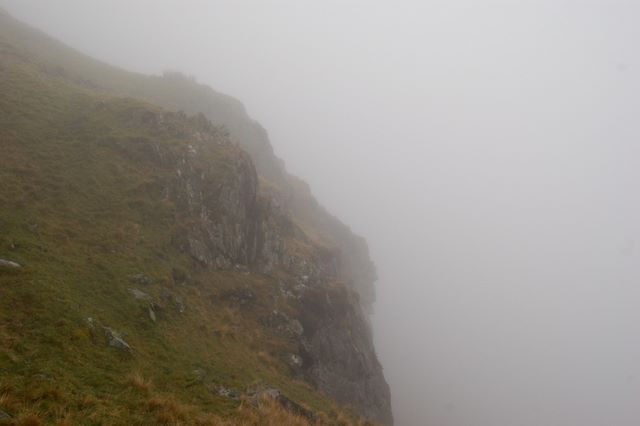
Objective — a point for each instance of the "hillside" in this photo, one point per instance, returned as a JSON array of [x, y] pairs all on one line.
[[158, 264]]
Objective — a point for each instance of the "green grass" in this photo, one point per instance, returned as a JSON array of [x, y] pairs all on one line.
[[82, 209]]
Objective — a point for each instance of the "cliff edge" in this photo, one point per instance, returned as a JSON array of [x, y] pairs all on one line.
[[157, 262]]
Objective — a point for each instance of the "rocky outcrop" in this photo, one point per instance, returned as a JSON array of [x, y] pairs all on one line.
[[237, 208], [225, 220], [338, 353], [235, 227], [177, 92]]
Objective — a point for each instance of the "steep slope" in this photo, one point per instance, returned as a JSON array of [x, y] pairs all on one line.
[[175, 91], [152, 251]]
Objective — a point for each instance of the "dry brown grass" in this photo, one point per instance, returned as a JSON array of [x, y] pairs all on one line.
[[139, 382], [87, 402], [167, 411], [269, 413], [29, 419], [7, 401]]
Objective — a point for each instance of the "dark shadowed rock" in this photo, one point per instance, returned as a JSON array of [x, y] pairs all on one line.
[[338, 353]]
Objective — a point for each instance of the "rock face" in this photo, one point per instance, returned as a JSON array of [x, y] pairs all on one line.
[[338, 349], [237, 227], [229, 222], [236, 208]]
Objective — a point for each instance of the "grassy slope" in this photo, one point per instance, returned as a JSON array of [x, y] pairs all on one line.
[[178, 93], [78, 214]]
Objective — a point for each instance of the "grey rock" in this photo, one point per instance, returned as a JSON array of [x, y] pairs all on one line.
[[44, 376], [233, 224], [180, 306], [262, 392], [295, 361], [115, 340], [90, 323], [139, 295], [339, 355], [224, 392], [272, 393], [152, 314], [9, 263], [281, 322], [199, 375], [255, 392], [167, 297], [295, 327]]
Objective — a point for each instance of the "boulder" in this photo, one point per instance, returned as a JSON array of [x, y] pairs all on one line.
[[9, 263], [139, 295], [152, 314], [295, 361], [115, 340]]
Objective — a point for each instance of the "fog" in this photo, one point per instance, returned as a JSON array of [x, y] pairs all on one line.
[[489, 151]]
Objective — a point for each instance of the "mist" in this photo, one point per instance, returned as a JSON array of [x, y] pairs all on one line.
[[488, 151]]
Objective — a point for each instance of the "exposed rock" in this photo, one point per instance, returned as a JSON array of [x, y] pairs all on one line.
[[236, 228], [152, 314], [9, 263], [140, 279], [179, 304], [281, 322], [139, 295], [175, 300], [44, 376], [338, 353], [224, 392], [90, 323], [199, 375], [4, 415], [265, 392], [295, 327], [295, 361], [226, 219], [230, 224], [115, 340]]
